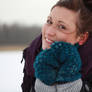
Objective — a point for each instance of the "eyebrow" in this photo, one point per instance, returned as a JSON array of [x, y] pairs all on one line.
[[58, 21], [62, 22]]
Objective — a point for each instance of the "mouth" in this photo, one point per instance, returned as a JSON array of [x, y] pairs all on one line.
[[49, 41]]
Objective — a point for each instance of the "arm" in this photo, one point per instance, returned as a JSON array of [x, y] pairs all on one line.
[[50, 62]]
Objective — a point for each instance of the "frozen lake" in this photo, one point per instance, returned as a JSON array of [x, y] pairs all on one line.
[[11, 71]]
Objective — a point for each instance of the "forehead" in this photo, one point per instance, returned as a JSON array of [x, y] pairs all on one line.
[[69, 17]]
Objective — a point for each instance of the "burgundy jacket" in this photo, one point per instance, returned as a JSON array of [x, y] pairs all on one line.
[[30, 53]]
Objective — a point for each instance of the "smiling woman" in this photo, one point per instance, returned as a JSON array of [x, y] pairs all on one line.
[[53, 62], [60, 27]]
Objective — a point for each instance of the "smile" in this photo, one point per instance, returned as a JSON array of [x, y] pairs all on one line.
[[49, 41]]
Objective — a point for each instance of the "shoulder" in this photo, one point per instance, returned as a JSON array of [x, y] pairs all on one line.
[[86, 56], [30, 53], [35, 45]]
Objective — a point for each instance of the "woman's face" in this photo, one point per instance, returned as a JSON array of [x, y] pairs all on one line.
[[60, 26]]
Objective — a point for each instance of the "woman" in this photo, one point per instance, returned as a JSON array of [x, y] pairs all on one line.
[[28, 69]]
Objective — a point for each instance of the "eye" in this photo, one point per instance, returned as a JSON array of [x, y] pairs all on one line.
[[61, 27], [49, 21]]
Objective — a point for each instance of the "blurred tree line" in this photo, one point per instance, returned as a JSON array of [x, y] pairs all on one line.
[[17, 34]]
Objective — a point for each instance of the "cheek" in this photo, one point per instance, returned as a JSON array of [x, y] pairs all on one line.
[[66, 38], [72, 39], [44, 28], [61, 37], [43, 32]]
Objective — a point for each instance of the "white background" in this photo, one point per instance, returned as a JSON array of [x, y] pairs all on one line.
[[25, 11], [11, 71]]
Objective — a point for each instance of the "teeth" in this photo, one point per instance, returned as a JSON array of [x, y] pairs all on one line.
[[49, 40]]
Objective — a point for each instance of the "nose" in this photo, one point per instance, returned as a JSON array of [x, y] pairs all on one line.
[[50, 31]]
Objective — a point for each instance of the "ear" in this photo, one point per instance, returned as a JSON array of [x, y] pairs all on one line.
[[83, 38]]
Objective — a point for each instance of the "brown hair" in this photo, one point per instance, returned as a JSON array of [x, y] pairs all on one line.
[[88, 4], [84, 23]]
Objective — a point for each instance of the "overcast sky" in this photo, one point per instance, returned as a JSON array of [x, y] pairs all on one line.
[[25, 11]]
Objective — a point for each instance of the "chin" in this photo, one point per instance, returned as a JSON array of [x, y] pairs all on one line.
[[45, 46]]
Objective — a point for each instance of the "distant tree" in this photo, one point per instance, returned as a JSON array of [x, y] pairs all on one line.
[[17, 34]]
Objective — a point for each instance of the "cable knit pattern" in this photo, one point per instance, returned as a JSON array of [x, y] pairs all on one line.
[[60, 63]]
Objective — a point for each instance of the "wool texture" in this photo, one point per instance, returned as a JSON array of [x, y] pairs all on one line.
[[74, 86], [60, 63]]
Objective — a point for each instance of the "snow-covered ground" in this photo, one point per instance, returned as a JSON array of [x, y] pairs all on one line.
[[11, 71]]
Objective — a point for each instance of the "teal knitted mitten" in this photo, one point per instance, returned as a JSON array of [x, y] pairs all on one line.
[[60, 63]]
